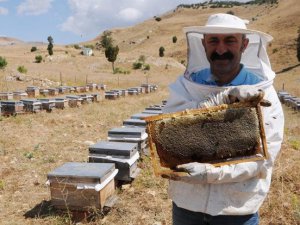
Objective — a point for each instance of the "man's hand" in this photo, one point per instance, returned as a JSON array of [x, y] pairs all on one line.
[[195, 173], [245, 93]]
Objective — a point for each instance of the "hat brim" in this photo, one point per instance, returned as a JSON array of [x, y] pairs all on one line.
[[226, 30]]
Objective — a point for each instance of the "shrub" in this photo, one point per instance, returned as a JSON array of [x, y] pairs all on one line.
[[76, 46], [174, 39], [274, 50], [38, 58], [122, 71], [22, 69], [33, 49], [3, 63], [230, 12], [146, 67], [137, 65], [157, 19], [89, 46], [161, 51]]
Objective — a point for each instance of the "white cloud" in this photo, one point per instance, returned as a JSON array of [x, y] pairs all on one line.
[[90, 17], [130, 14], [34, 7], [3, 11]]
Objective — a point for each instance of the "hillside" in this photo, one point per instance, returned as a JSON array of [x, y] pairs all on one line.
[[31, 145]]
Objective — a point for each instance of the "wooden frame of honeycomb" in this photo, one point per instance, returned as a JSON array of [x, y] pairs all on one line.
[[220, 135]]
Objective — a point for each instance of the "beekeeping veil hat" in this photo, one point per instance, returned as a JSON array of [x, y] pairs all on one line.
[[254, 58]]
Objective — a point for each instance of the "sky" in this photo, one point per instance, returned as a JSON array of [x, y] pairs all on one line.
[[74, 21]]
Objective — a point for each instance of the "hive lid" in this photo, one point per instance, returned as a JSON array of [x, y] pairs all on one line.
[[114, 149], [134, 122], [142, 115], [219, 135], [136, 131], [148, 111], [83, 170]]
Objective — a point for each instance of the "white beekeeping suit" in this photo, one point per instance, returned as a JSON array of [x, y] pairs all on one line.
[[237, 189]]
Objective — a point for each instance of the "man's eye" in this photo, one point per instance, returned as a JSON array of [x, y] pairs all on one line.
[[213, 41]]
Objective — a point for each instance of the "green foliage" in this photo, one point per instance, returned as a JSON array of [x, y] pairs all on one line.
[[50, 45], [275, 50], [174, 39], [38, 58], [33, 49], [122, 71], [22, 69], [76, 46], [106, 40], [2, 185], [161, 51], [295, 144], [3, 63], [91, 46], [298, 45], [111, 54], [28, 155], [137, 65], [157, 18], [146, 67]]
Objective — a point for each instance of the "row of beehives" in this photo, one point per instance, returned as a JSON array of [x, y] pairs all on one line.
[[28, 105], [84, 186], [289, 100], [34, 92]]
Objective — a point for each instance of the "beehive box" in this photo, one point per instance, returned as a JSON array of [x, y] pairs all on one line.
[[74, 100], [6, 96], [96, 97], [53, 91], [111, 95], [124, 155], [32, 91], [32, 105], [47, 104], [82, 186], [10, 107], [61, 103], [131, 135], [18, 95], [218, 135], [44, 92]]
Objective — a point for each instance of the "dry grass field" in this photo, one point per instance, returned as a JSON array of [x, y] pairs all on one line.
[[32, 145]]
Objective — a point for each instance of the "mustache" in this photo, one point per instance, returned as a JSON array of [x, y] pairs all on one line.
[[226, 55]]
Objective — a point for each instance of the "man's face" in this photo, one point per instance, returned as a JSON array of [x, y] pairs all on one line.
[[224, 53]]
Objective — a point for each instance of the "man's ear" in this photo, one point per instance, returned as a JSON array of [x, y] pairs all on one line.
[[203, 43], [245, 43]]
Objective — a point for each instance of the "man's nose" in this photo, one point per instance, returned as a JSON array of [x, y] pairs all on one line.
[[221, 48]]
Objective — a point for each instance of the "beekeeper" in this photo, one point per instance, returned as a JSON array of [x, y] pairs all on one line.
[[225, 59]]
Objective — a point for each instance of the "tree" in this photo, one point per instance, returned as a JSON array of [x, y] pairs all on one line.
[[161, 51], [111, 54], [38, 59], [174, 39], [298, 45], [3, 63], [106, 39], [33, 49], [50, 45]]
